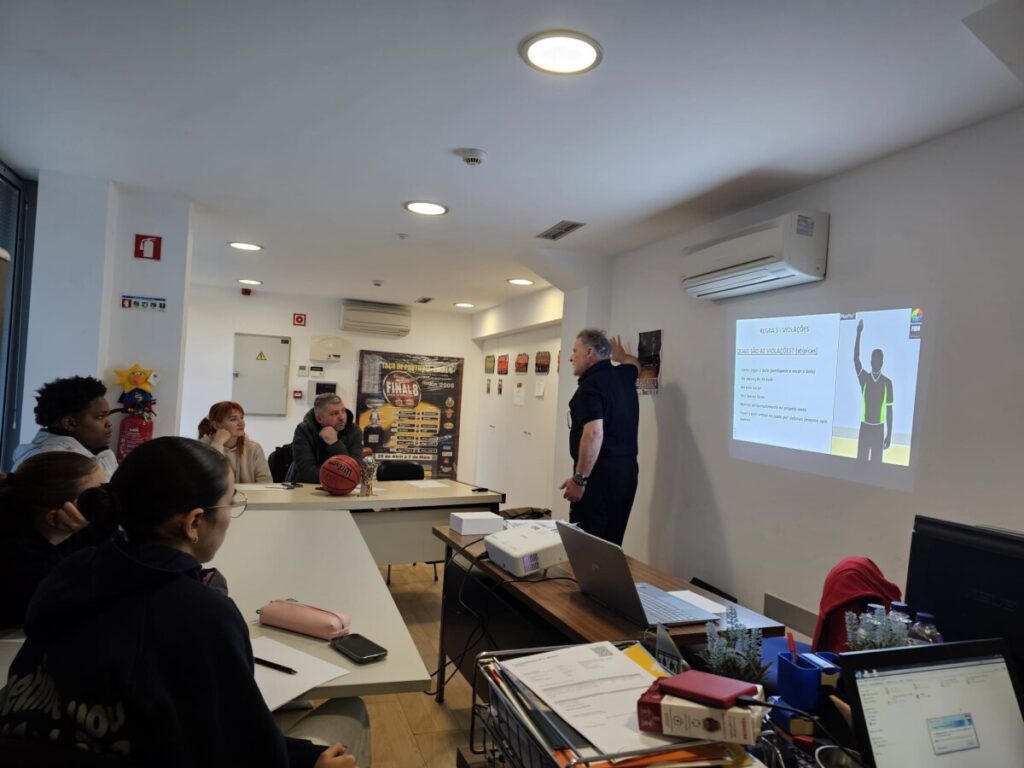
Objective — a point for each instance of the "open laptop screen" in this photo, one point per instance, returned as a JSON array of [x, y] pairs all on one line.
[[956, 708]]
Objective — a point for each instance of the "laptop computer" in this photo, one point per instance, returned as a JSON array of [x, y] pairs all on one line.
[[953, 704], [603, 574]]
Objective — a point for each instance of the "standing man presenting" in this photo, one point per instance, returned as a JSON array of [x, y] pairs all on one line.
[[604, 416], [876, 400], [328, 429]]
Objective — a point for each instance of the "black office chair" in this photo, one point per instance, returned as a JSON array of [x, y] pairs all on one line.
[[399, 470], [279, 460], [391, 469]]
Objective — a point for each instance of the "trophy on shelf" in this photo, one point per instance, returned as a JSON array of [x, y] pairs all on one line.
[[369, 475]]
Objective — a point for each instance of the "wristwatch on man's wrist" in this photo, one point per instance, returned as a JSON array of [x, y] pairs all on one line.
[[580, 480]]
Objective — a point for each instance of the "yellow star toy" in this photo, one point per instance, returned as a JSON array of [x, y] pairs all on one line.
[[134, 378]]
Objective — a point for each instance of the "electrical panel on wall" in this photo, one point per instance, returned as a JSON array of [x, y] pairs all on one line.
[[325, 349], [319, 387]]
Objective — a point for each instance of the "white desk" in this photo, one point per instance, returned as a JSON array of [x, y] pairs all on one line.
[[395, 522], [318, 556]]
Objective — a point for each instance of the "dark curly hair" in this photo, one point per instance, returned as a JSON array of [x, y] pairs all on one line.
[[66, 397]]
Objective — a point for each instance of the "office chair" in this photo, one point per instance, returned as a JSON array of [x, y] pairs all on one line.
[[279, 460], [402, 470]]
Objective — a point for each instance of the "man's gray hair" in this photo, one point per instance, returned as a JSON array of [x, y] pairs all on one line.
[[592, 337], [324, 399]]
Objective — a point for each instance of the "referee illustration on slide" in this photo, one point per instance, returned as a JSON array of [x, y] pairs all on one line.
[[875, 404]]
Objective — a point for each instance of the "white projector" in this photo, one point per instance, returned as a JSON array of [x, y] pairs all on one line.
[[525, 549]]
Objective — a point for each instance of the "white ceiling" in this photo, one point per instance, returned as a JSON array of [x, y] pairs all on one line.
[[305, 125]]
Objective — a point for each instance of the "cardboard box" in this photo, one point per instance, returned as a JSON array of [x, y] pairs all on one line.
[[660, 713], [475, 523]]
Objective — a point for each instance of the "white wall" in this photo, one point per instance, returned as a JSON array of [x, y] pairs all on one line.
[[941, 221], [216, 314], [516, 443], [83, 262]]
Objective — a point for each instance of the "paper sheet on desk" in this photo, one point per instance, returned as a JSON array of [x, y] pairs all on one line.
[[279, 687], [594, 688], [426, 483], [699, 601], [247, 487]]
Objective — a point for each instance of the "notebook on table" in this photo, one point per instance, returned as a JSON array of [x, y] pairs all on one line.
[[953, 704], [603, 575]]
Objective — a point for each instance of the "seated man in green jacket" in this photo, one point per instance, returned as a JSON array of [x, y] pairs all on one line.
[[328, 429]]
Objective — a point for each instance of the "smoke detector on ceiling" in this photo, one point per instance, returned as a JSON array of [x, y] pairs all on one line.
[[471, 157]]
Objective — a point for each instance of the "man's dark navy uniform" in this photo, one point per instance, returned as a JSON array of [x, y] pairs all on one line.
[[604, 414]]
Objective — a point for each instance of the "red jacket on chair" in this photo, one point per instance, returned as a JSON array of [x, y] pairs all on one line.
[[853, 582]]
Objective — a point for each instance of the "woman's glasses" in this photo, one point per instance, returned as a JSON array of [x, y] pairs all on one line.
[[238, 505]]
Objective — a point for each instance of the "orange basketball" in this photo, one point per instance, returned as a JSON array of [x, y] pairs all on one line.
[[340, 474]]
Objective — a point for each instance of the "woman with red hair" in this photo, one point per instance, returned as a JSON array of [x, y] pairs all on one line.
[[224, 430]]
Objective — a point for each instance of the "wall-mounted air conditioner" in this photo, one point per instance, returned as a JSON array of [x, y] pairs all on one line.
[[372, 317], [787, 250]]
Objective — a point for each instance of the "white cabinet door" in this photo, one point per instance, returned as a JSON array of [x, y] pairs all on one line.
[[261, 373]]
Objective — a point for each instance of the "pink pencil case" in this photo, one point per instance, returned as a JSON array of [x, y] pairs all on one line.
[[304, 619]]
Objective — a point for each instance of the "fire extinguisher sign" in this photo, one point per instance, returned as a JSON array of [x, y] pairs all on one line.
[[148, 247]]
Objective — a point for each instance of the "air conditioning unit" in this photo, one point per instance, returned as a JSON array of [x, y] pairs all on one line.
[[788, 250], [372, 317]]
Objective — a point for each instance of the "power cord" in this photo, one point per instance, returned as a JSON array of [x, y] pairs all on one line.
[[751, 701]]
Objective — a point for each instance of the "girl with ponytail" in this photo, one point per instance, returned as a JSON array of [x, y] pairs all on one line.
[[159, 665], [224, 430]]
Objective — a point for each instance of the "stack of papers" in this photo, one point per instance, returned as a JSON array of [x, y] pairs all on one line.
[[582, 700]]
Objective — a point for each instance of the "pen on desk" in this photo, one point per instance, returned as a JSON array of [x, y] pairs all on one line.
[[275, 665], [792, 647]]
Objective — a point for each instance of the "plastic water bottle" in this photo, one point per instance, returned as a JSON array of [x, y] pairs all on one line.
[[901, 611], [923, 631]]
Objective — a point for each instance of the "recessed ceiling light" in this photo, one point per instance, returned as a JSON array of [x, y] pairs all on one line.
[[561, 52], [464, 305], [246, 246], [425, 208], [245, 281], [519, 281]]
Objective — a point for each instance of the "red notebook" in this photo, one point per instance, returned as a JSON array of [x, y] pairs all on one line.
[[705, 688]]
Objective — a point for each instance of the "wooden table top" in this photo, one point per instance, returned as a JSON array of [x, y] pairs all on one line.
[[577, 616]]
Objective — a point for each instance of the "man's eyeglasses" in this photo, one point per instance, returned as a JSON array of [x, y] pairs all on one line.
[[238, 505]]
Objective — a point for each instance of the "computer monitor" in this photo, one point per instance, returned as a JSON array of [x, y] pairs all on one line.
[[970, 577], [953, 705]]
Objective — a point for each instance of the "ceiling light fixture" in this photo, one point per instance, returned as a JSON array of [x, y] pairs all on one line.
[[464, 305], [519, 281], [246, 281], [246, 246], [425, 208], [561, 52]]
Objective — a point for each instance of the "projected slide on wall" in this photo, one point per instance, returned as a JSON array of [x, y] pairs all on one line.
[[842, 384]]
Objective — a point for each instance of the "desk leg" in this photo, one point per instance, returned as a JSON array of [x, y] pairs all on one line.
[[439, 697]]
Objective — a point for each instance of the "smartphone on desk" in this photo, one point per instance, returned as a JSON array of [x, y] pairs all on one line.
[[358, 648]]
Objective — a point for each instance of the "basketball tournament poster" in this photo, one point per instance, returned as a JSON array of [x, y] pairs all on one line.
[[408, 408]]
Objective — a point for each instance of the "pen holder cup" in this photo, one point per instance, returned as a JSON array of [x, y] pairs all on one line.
[[799, 682]]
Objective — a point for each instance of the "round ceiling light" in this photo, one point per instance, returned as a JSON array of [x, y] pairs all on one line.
[[561, 52], [425, 208], [464, 305], [519, 281], [246, 246], [246, 281]]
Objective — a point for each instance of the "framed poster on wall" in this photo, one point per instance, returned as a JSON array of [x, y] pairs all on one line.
[[409, 408]]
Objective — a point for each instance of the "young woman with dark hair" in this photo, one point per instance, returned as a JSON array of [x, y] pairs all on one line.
[[40, 524], [224, 431], [159, 666]]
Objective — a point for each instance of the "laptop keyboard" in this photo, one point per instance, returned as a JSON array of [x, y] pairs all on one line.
[[662, 611]]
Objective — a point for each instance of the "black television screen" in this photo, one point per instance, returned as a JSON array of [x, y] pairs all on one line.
[[971, 578]]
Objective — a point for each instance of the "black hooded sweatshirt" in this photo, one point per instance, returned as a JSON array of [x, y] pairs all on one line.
[[127, 652]]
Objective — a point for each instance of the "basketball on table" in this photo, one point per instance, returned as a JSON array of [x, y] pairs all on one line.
[[339, 475]]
